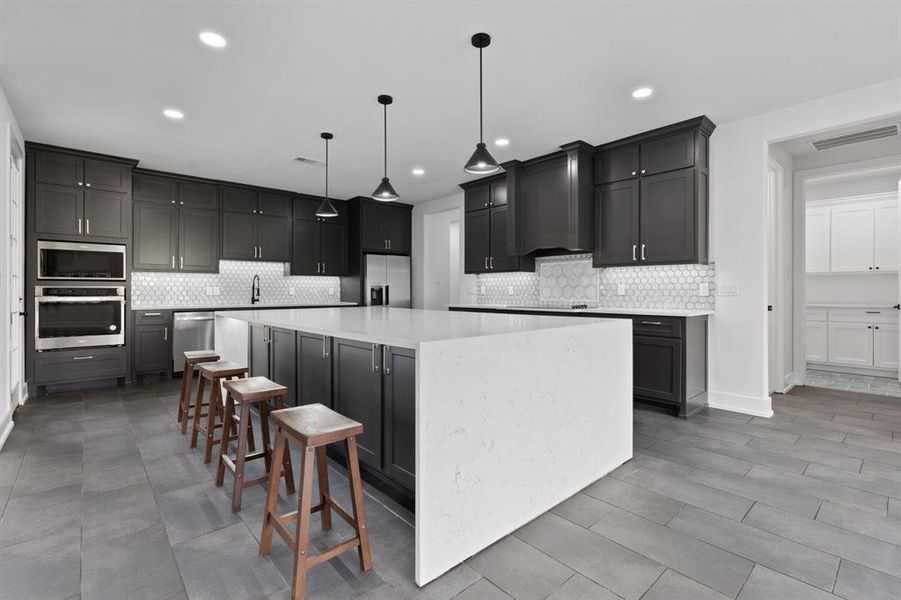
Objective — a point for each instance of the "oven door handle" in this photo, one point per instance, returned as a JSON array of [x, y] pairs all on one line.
[[92, 299]]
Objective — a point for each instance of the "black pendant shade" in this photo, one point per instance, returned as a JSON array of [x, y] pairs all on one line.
[[385, 192], [481, 162], [326, 209]]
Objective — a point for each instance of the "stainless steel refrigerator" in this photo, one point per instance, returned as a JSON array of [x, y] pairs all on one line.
[[386, 280]]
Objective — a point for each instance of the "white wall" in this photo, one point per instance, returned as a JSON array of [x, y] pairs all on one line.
[[738, 228], [9, 135], [465, 284]]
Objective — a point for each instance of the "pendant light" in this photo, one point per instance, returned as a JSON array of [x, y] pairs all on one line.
[[326, 209], [481, 162], [385, 191]]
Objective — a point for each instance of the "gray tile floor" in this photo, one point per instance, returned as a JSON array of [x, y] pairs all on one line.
[[101, 498], [881, 386]]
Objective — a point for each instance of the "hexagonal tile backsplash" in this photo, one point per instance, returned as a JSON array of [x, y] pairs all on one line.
[[571, 279]]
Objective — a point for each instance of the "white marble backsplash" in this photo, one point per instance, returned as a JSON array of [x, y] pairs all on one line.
[[233, 282], [570, 279]]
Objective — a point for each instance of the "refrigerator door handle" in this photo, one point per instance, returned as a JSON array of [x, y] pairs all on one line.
[[387, 300]]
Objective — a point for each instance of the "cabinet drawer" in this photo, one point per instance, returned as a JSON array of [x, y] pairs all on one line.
[[816, 314], [861, 315], [660, 326], [79, 365], [152, 317]]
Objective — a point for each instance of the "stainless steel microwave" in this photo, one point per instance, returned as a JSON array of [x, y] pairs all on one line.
[[76, 260]]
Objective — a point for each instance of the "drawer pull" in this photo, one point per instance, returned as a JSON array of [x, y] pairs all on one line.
[[874, 312], [651, 323], [151, 314], [82, 357]]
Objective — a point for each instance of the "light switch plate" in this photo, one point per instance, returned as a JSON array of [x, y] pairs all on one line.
[[728, 289], [292, 290], [509, 290], [620, 289], [703, 289], [331, 291]]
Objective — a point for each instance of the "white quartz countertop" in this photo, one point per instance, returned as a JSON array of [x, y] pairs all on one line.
[[239, 306], [403, 327], [603, 310]]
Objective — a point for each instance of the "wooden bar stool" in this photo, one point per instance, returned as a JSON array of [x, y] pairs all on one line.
[[192, 359], [244, 393], [217, 373], [313, 427]]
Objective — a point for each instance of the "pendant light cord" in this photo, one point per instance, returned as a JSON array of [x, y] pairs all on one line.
[[481, 120], [326, 169], [386, 139]]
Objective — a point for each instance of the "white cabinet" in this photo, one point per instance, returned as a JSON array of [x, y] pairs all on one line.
[[851, 344], [851, 238], [817, 240], [817, 336], [886, 236], [885, 346]]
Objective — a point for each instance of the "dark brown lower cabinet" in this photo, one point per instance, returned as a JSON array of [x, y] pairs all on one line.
[[151, 342], [657, 368], [358, 393], [83, 364], [283, 361], [314, 369], [400, 415]]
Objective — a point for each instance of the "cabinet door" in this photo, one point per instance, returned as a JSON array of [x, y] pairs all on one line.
[[399, 226], [358, 393], [617, 164], [305, 207], [400, 415], [546, 207], [373, 234], [153, 188], [58, 209], [283, 362], [155, 237], [476, 245], [851, 344], [258, 359], [151, 348], [198, 240], [314, 369], [499, 259], [816, 338], [851, 238], [198, 194], [106, 214], [60, 169], [239, 236], [273, 239], [616, 224], [667, 218], [274, 205], [657, 368], [816, 240], [305, 248], [477, 198], [333, 248], [107, 175], [668, 153], [885, 346], [499, 193], [887, 248], [241, 200]]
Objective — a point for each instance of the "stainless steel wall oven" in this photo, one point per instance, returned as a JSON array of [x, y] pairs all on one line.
[[78, 317]]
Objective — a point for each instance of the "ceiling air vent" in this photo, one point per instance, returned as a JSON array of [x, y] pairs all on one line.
[[855, 136], [309, 161]]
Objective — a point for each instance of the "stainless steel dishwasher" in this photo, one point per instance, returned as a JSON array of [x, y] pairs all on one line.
[[192, 331]]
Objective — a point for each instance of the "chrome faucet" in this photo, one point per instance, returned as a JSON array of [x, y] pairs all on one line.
[[255, 290]]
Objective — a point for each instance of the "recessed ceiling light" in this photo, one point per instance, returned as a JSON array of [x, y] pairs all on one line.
[[213, 39], [642, 92], [501, 142], [418, 171], [174, 114]]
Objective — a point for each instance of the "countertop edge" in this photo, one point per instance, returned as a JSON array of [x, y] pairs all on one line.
[[219, 307], [663, 312]]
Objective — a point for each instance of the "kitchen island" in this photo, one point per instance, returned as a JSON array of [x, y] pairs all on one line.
[[507, 416]]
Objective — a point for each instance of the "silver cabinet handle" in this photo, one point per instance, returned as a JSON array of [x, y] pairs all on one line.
[[323, 267], [82, 357], [389, 244], [87, 225], [375, 349], [80, 183], [181, 262], [173, 262], [634, 173], [387, 369], [182, 203], [651, 323], [643, 171], [87, 185], [328, 346], [173, 201], [486, 263], [151, 314], [260, 249], [642, 251], [165, 334], [323, 346], [491, 262], [79, 226], [634, 246], [319, 267]]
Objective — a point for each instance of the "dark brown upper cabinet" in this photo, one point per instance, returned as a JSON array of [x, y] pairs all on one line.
[[170, 237], [150, 187], [486, 230], [198, 194], [256, 202], [319, 247], [256, 224], [77, 171], [272, 204], [107, 176], [385, 227], [236, 199], [550, 200], [658, 213]]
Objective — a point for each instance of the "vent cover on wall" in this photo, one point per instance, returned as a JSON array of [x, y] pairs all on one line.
[[855, 136], [309, 161]]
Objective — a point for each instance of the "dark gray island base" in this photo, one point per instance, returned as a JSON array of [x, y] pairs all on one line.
[[669, 355]]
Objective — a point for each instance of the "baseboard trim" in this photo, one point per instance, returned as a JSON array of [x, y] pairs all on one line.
[[849, 370], [7, 429], [740, 403]]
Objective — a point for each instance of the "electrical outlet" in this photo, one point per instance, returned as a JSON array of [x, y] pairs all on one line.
[[509, 290], [728, 289], [292, 290], [481, 290], [703, 289], [620, 289], [331, 291]]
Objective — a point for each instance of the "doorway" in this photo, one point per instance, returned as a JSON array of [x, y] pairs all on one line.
[[16, 280], [441, 268]]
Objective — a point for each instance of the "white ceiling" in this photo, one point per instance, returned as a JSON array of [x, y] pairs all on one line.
[[96, 75]]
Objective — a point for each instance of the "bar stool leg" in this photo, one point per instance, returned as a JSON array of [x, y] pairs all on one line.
[[183, 398], [356, 490], [288, 471], [264, 434], [212, 414], [228, 418], [240, 459], [302, 537], [269, 511], [324, 497], [198, 411]]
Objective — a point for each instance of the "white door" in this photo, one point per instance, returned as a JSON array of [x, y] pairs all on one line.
[[885, 346], [851, 238], [816, 253], [817, 341], [851, 344], [886, 232], [16, 282]]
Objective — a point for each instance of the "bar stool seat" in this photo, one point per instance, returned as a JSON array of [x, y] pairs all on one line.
[[216, 373], [243, 393], [192, 359], [313, 427]]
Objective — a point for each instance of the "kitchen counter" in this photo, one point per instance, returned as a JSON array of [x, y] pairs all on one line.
[[600, 311], [215, 307], [489, 401], [863, 306]]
